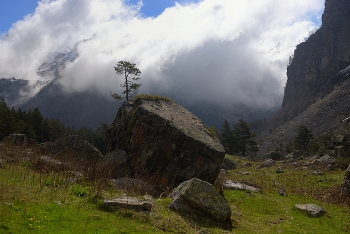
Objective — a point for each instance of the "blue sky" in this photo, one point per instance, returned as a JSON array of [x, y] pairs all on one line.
[[13, 10]]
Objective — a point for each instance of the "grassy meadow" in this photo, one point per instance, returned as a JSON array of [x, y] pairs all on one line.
[[52, 202]]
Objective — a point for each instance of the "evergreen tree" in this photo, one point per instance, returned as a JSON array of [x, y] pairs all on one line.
[[127, 69], [302, 140], [226, 137], [241, 134]]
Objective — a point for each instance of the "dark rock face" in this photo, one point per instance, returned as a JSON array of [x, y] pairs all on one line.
[[323, 60], [166, 144]]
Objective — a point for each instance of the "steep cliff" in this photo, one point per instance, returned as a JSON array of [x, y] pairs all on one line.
[[320, 62], [317, 92]]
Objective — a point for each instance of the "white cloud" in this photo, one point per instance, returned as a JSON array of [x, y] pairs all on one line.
[[224, 52]]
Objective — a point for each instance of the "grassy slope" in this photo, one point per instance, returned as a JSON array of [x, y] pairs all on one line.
[[39, 203]]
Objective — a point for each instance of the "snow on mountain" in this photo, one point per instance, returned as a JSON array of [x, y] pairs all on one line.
[[56, 62]]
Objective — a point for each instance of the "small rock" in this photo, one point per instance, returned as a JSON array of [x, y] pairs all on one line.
[[246, 165], [128, 203], [229, 184], [331, 167], [267, 163], [316, 172], [228, 164], [288, 156], [291, 160], [311, 209], [244, 172], [279, 170], [281, 191]]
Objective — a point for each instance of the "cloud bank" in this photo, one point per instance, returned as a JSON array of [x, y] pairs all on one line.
[[224, 53]]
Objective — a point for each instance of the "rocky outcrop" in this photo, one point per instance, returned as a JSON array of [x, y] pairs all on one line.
[[321, 61], [199, 197], [73, 151], [165, 143]]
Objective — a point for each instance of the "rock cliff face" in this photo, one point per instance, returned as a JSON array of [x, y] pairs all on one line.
[[322, 61], [165, 143]]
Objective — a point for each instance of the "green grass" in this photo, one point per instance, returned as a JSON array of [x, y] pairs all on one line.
[[32, 202], [268, 212], [152, 98]]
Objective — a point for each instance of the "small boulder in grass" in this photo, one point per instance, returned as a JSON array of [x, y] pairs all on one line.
[[128, 203], [311, 209], [200, 197]]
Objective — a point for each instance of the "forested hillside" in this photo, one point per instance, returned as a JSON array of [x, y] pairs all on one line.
[[41, 129]]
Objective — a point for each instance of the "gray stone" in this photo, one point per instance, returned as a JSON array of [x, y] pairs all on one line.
[[267, 163], [46, 163], [229, 184], [114, 165], [16, 140], [166, 144], [279, 170], [199, 197], [281, 191], [128, 203], [316, 172], [288, 156], [291, 160], [325, 160], [244, 172], [311, 209], [229, 164]]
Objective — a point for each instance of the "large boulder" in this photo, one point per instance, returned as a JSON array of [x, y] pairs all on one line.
[[73, 151], [199, 197], [165, 143]]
